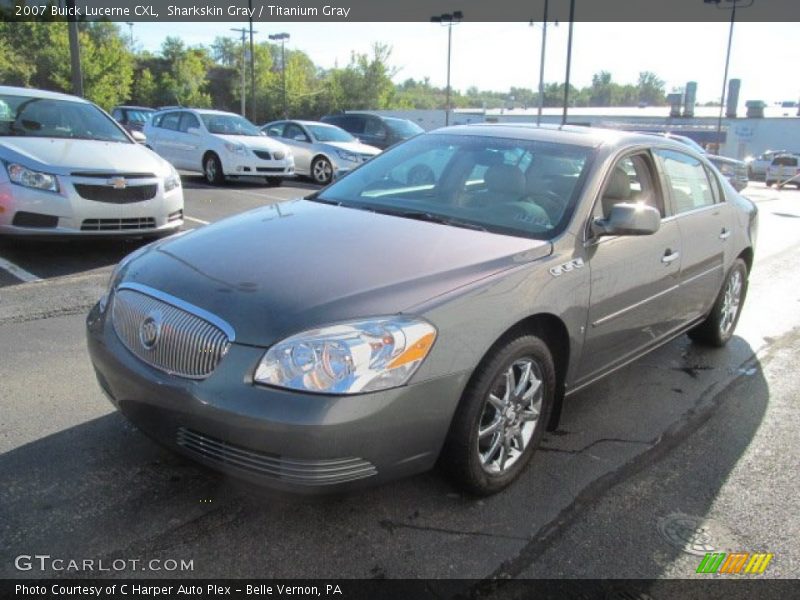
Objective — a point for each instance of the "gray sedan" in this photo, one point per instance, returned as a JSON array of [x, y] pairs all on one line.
[[391, 321], [320, 150]]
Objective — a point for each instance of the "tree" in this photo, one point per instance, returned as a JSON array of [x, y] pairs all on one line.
[[651, 88]]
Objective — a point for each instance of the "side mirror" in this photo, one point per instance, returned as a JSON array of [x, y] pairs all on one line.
[[193, 131], [629, 219], [138, 137]]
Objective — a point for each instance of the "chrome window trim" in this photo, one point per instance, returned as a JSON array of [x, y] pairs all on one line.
[[224, 326]]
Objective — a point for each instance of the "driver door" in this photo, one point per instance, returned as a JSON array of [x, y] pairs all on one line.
[[634, 279]]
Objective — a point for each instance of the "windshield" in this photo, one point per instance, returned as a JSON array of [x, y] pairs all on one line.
[[229, 125], [329, 133], [515, 187], [403, 127], [29, 116]]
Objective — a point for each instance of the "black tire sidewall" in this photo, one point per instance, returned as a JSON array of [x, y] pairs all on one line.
[[462, 442], [220, 176]]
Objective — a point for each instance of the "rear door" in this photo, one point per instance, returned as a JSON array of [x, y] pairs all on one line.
[[704, 220], [634, 279], [164, 141], [188, 146]]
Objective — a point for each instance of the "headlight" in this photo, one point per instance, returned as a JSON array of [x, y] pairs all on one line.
[[349, 358], [235, 148], [32, 179], [172, 181], [345, 155]]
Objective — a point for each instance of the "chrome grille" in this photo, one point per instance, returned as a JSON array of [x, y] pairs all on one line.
[[291, 470], [167, 333]]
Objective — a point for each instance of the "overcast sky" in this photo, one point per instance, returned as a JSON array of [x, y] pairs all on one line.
[[497, 56]]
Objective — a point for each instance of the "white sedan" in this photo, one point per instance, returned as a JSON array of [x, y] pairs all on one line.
[[320, 150], [218, 145], [69, 169]]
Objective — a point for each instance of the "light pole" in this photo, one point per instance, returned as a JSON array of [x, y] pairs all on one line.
[[541, 63], [448, 19], [252, 66], [130, 30], [243, 33], [732, 7], [569, 61], [282, 37], [74, 50]]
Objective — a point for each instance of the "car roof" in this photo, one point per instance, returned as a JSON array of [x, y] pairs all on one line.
[[129, 106], [591, 137], [37, 93]]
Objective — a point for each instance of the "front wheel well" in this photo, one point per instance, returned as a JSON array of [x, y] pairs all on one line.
[[552, 330]]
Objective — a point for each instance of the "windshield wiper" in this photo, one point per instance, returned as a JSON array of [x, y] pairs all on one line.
[[428, 217]]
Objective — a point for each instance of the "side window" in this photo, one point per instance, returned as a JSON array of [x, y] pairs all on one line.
[[188, 120], [171, 120], [157, 120], [117, 114], [716, 186], [687, 179], [276, 129], [354, 125], [631, 181], [293, 131]]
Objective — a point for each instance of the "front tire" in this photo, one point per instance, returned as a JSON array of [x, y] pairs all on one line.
[[502, 416], [212, 169], [321, 170], [720, 323]]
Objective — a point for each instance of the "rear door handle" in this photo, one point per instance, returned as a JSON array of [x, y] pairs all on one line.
[[724, 234], [670, 256]]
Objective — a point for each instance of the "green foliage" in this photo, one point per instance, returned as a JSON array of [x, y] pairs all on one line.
[[36, 54]]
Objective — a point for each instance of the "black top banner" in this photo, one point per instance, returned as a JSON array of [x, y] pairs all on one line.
[[400, 10]]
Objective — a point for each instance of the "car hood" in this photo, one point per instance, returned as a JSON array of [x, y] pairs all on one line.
[[285, 268], [63, 156], [356, 147], [254, 142]]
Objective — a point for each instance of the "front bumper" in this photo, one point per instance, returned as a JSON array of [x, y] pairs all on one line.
[[284, 440], [252, 166], [30, 212]]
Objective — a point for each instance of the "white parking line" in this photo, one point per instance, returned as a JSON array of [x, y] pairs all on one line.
[[18, 271], [193, 220]]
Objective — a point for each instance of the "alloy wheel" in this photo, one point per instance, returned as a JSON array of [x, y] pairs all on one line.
[[731, 301], [510, 415], [323, 171]]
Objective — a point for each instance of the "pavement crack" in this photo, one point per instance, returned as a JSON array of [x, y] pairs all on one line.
[[390, 526], [594, 443]]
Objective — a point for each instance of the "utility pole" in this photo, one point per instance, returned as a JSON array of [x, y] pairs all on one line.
[[130, 30], [569, 61], [243, 32], [74, 50], [252, 67], [541, 64]]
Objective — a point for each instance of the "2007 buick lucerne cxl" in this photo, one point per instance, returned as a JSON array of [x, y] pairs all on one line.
[[436, 304]]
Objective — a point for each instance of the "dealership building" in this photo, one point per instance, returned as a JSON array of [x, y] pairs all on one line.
[[747, 131]]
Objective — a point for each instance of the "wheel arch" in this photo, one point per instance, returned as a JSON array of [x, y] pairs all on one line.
[[553, 331], [747, 256]]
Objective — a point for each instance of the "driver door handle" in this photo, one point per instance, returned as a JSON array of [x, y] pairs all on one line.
[[670, 256], [724, 234]]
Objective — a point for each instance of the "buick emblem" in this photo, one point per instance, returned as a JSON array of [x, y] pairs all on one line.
[[150, 329], [118, 183]]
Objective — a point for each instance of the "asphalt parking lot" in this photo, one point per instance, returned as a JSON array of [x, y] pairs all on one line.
[[706, 436]]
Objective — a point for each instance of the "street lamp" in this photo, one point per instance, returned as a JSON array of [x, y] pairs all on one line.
[[733, 4], [448, 19], [243, 33], [541, 63], [569, 61], [282, 37]]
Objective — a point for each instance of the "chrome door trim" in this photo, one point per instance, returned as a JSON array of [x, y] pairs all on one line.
[[619, 313]]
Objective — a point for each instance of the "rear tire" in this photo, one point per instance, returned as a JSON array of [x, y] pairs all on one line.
[[720, 323], [502, 416], [212, 169]]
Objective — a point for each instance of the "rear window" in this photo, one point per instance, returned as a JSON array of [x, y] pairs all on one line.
[[785, 161]]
